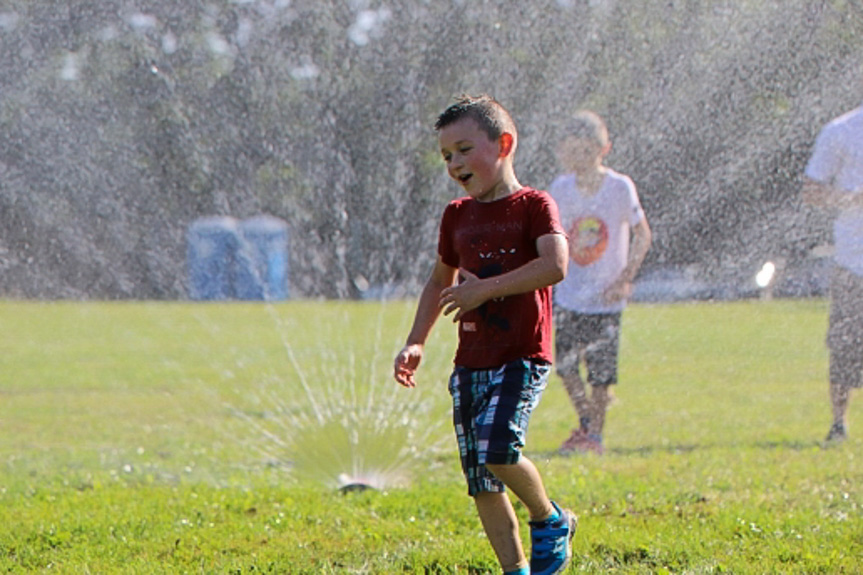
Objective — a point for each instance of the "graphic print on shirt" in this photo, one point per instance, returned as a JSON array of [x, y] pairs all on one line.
[[588, 240], [492, 265]]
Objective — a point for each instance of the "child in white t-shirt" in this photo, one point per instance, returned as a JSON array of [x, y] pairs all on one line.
[[834, 180], [608, 239]]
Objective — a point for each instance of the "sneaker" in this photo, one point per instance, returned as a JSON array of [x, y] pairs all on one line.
[[551, 542], [581, 442], [594, 444], [571, 443], [836, 434]]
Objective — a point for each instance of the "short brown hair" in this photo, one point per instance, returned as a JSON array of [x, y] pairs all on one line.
[[488, 113], [587, 125]]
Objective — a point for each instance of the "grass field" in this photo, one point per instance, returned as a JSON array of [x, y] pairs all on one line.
[[209, 438]]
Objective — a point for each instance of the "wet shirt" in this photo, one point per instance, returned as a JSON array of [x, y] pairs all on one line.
[[489, 239], [598, 226], [838, 160]]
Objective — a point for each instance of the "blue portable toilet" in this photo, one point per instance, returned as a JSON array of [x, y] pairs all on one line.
[[262, 259], [211, 251]]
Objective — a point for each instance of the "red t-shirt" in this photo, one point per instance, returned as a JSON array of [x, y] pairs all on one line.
[[489, 239]]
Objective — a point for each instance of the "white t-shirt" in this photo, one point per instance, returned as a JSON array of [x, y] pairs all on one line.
[[838, 160], [599, 229]]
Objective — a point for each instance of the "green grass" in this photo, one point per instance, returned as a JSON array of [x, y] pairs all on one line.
[[208, 438]]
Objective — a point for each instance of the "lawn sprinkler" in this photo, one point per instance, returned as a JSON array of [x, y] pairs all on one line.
[[348, 484]]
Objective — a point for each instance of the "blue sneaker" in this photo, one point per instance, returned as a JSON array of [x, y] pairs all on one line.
[[551, 542]]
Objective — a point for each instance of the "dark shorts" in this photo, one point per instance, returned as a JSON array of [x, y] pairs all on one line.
[[491, 410], [593, 338], [845, 334]]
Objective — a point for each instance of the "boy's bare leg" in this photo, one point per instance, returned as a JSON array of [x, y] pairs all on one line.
[[524, 480], [600, 398], [840, 366], [839, 400], [501, 527], [577, 392]]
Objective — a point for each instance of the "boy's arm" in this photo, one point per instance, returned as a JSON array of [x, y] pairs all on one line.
[[545, 270], [408, 359], [824, 195], [621, 288]]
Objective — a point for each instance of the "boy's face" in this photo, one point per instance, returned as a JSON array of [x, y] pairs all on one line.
[[473, 159], [581, 154]]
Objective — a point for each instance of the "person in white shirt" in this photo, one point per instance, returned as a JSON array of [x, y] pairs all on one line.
[[608, 239], [834, 181]]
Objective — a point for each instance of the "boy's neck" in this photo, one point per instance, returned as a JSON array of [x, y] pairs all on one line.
[[507, 186], [590, 180]]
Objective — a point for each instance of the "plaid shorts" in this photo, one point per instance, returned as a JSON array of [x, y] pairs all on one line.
[[491, 409]]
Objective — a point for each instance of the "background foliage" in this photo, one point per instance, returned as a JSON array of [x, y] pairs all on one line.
[[121, 123]]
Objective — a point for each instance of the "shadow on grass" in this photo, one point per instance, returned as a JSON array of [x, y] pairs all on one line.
[[789, 444], [676, 449]]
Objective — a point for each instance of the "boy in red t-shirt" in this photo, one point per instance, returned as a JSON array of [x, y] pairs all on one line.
[[505, 244]]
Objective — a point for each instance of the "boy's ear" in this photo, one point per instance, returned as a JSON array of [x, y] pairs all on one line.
[[506, 142]]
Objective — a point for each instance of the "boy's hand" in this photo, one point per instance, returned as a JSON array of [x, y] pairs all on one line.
[[406, 364], [617, 291], [463, 297]]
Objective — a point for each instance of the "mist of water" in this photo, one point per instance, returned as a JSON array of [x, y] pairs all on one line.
[[121, 124], [334, 418]]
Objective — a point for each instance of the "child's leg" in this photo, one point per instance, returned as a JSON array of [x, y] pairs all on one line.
[[569, 352], [501, 527], [491, 410], [600, 398], [577, 392], [524, 480], [518, 388], [845, 342], [601, 359], [469, 389], [551, 527]]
